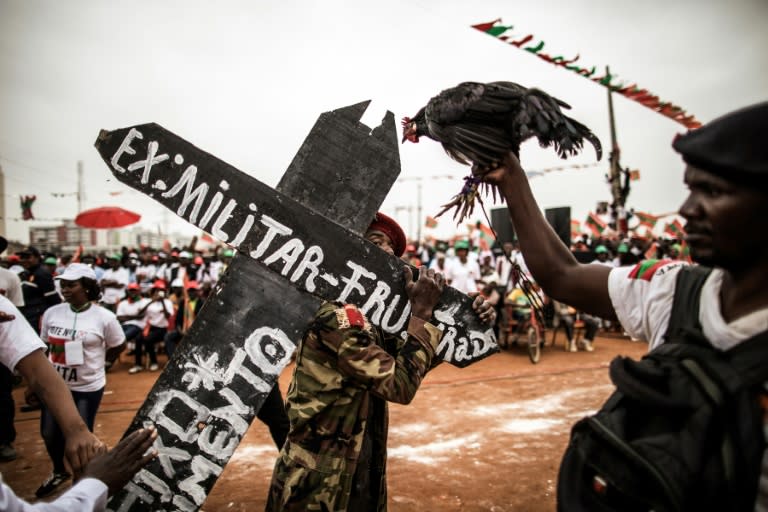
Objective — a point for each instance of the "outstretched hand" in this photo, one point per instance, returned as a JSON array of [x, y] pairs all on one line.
[[117, 466], [424, 292]]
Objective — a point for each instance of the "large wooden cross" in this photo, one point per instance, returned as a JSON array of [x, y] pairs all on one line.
[[291, 257]]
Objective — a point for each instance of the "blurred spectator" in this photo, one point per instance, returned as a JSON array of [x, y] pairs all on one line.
[[462, 273], [157, 312], [186, 312], [37, 287], [130, 314], [113, 282]]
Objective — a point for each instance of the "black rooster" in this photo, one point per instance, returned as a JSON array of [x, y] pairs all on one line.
[[478, 124]]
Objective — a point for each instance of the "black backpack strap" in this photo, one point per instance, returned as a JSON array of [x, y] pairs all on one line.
[[684, 325], [749, 358]]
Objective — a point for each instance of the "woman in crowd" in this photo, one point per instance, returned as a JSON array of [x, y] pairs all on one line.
[[81, 336]]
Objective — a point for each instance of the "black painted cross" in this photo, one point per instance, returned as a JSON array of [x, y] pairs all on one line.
[[291, 258]]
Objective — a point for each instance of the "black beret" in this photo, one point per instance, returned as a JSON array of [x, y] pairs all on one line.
[[734, 146]]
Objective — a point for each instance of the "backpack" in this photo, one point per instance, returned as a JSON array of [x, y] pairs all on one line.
[[682, 431]]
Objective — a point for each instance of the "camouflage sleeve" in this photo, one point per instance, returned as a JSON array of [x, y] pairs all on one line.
[[394, 378]]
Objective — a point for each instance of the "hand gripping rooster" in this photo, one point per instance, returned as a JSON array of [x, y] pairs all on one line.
[[477, 124]]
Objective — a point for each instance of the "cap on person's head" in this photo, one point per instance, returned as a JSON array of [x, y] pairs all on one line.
[[185, 254], [732, 146], [13, 258], [392, 229], [115, 256], [158, 285], [228, 253], [133, 286], [192, 285], [199, 260], [600, 249], [29, 251], [623, 248], [461, 244], [50, 260], [75, 271]]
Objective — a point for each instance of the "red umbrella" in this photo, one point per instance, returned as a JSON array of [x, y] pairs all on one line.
[[106, 217]]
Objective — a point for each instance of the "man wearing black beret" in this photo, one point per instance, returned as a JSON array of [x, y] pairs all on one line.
[[727, 232]]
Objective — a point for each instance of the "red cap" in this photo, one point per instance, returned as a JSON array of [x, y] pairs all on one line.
[[133, 286], [159, 285], [198, 260], [392, 229], [192, 285]]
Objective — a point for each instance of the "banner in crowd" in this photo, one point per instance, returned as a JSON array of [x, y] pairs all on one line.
[[646, 219], [631, 91], [674, 229], [595, 224], [575, 229]]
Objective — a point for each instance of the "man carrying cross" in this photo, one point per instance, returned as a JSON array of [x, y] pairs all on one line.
[[346, 372]]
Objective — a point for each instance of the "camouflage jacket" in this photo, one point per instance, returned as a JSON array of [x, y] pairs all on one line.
[[344, 366]]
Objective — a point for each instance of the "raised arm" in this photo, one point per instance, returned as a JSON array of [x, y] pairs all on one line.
[[551, 263]]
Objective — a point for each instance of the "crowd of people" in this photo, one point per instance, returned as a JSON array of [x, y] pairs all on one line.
[[333, 456]]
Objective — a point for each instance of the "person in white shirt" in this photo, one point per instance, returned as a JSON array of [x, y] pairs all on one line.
[[81, 336], [10, 287], [105, 474], [113, 282], [156, 313], [462, 272], [21, 349], [727, 230]]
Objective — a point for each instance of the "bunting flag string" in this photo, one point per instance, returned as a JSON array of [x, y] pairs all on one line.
[[541, 172], [631, 91]]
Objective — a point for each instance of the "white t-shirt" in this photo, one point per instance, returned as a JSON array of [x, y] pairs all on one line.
[[127, 308], [463, 276], [155, 314], [642, 297], [113, 295], [17, 338], [78, 343], [10, 286], [87, 495]]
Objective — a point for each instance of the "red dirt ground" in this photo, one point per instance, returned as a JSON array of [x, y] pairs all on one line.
[[484, 438]]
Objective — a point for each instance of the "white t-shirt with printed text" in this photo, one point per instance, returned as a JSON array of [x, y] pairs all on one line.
[[643, 304], [17, 338], [89, 334]]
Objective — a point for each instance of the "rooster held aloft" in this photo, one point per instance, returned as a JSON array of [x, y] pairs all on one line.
[[478, 124]]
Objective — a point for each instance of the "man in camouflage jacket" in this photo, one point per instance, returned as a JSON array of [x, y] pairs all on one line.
[[346, 372]]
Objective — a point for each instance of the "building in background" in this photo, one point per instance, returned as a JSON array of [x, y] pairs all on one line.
[[66, 237]]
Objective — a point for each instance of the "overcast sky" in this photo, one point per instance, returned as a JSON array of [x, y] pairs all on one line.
[[246, 81]]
